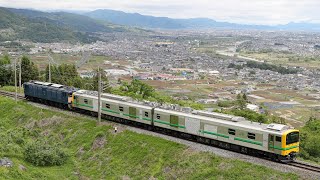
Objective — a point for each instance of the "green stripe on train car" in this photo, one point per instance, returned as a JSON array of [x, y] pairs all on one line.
[[132, 116], [283, 149], [115, 112], [248, 141], [108, 110], [212, 133], [85, 105], [167, 123], [147, 119]]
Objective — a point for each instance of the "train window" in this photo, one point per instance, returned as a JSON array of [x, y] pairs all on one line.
[[232, 131], [121, 108], [271, 138], [86, 101], [292, 137], [251, 136], [146, 114], [158, 116], [278, 138], [108, 106]]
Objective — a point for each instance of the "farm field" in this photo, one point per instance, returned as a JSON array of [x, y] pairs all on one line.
[[294, 106], [283, 59]]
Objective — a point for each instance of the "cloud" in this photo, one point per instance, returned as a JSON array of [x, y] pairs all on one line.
[[239, 11]]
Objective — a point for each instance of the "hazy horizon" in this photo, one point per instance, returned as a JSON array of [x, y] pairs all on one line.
[[262, 12]]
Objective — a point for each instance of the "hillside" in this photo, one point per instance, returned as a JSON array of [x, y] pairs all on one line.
[[73, 21], [135, 19], [95, 152], [144, 21], [40, 26]]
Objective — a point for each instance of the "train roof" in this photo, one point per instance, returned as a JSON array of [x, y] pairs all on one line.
[[111, 98], [52, 85]]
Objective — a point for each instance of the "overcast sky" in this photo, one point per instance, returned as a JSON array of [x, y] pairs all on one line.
[[239, 11]]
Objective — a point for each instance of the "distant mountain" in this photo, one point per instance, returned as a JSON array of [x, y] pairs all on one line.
[[40, 26], [73, 21], [299, 26], [135, 19], [138, 20]]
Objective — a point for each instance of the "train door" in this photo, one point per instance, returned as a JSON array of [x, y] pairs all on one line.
[[174, 121], [271, 142], [132, 112]]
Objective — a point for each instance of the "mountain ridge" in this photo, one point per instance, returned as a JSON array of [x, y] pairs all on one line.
[[39, 26], [146, 21]]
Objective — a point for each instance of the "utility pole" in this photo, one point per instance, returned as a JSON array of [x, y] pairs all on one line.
[[20, 76], [49, 72], [15, 78], [99, 96]]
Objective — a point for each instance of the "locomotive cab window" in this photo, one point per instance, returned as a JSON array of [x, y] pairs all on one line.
[[251, 136], [232, 131], [146, 114], [158, 116], [292, 137], [86, 101], [108, 106], [121, 108], [278, 138]]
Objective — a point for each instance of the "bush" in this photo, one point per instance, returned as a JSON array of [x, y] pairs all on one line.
[[226, 103], [310, 141], [40, 153]]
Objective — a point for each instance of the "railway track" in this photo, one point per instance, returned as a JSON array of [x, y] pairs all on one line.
[[9, 94], [305, 166], [297, 164]]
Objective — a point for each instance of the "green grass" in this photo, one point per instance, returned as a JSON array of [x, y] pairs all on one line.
[[11, 89], [125, 154]]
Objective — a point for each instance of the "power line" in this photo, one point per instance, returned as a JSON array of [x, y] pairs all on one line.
[[85, 58]]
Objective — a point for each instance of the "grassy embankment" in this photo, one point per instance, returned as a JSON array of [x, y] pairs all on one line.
[[11, 89], [96, 153]]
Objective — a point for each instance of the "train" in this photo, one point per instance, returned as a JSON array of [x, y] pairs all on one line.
[[277, 142]]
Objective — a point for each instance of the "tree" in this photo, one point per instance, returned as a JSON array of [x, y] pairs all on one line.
[[28, 70], [6, 71], [104, 80], [241, 102], [5, 60], [138, 89], [65, 74], [244, 96]]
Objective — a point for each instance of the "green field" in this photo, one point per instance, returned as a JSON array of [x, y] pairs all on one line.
[[284, 58], [95, 152]]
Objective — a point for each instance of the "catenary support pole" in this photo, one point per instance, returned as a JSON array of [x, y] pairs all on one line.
[[20, 71], [15, 78], [49, 72], [99, 95]]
